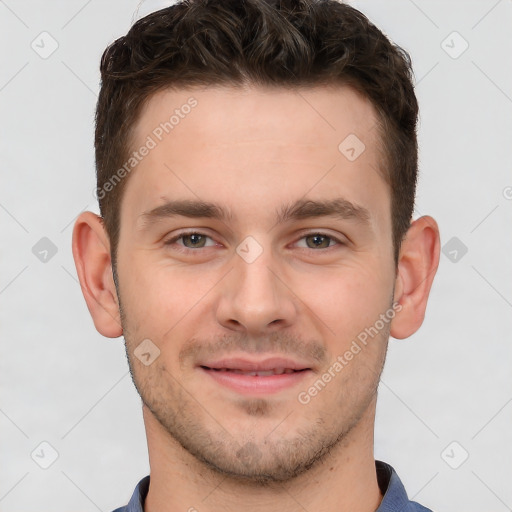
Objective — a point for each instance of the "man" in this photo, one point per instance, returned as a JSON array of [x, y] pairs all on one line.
[[256, 165]]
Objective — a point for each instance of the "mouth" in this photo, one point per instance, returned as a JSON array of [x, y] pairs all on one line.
[[262, 373], [256, 378]]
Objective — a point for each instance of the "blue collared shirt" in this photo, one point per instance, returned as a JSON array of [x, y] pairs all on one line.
[[395, 498]]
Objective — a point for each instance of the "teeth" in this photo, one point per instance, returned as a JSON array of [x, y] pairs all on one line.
[[263, 373]]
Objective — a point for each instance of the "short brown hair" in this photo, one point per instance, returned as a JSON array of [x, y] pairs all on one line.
[[283, 43]]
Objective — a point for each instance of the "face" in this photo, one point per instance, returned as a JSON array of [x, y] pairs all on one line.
[[288, 254]]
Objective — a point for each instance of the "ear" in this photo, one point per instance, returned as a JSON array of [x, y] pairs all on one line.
[[91, 252], [417, 265]]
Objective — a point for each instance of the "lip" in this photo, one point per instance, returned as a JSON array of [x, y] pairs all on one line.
[[251, 365], [256, 385], [252, 384]]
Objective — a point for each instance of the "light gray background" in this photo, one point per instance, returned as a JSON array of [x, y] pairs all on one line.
[[63, 383]]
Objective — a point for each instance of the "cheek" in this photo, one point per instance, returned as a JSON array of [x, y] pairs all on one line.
[[349, 299], [162, 299], [339, 300]]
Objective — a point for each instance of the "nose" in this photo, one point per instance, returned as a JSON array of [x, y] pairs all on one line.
[[255, 297]]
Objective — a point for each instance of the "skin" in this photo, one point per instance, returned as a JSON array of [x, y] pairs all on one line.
[[252, 151]]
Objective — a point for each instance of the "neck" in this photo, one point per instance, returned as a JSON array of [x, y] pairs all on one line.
[[345, 480]]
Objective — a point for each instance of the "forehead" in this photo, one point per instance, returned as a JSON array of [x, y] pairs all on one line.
[[250, 146], [324, 113]]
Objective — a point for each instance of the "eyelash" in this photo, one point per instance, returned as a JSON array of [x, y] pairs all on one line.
[[188, 250]]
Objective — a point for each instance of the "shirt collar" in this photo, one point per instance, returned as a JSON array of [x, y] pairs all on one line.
[[395, 497]]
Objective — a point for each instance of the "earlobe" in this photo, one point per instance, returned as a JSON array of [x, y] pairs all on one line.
[[417, 265], [91, 252]]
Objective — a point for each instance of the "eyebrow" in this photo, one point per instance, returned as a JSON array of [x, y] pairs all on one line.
[[339, 208]]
